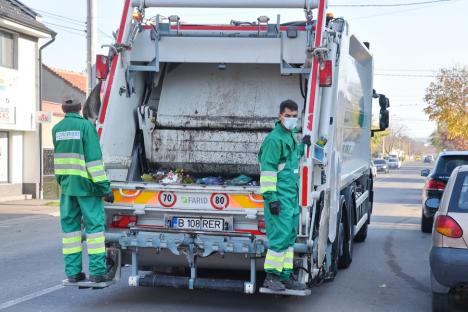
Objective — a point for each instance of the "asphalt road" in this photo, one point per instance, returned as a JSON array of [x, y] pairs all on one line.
[[390, 271]]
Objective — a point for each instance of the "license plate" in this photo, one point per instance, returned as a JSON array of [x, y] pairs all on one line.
[[203, 224]]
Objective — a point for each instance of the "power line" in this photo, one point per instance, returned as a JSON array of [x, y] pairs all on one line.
[[58, 15], [386, 5], [66, 27]]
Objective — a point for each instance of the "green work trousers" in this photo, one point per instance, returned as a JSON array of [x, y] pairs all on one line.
[[281, 232], [90, 209]]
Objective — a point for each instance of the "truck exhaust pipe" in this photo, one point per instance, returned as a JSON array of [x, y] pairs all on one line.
[[268, 4]]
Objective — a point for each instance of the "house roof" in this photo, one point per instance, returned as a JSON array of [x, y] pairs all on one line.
[[19, 13], [77, 80]]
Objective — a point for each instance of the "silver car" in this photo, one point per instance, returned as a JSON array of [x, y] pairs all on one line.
[[449, 253]]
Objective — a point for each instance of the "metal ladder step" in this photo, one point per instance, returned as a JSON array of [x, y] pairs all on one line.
[[287, 292], [88, 284]]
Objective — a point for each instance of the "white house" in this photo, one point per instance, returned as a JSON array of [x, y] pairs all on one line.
[[20, 156]]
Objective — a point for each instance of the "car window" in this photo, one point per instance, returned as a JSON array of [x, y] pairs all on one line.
[[446, 164], [459, 200], [379, 162]]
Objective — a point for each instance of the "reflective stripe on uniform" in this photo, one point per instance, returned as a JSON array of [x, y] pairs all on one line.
[[268, 181], [96, 243], [71, 243], [70, 164], [289, 259], [274, 260], [96, 171]]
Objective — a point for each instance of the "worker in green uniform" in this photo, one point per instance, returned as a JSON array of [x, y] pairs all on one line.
[[279, 177], [79, 170]]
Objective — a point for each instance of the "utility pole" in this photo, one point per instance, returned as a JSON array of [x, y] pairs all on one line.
[[91, 36]]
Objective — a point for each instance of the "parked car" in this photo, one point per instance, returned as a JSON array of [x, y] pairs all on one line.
[[449, 253], [428, 159], [436, 181], [393, 163], [381, 165], [373, 169]]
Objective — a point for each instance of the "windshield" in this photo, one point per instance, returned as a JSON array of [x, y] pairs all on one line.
[[379, 162], [392, 160], [459, 200], [446, 164]]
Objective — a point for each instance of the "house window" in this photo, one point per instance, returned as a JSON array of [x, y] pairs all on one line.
[[7, 49]]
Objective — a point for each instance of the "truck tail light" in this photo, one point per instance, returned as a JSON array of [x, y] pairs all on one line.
[[123, 221], [102, 66], [261, 225], [435, 185], [326, 73], [446, 226]]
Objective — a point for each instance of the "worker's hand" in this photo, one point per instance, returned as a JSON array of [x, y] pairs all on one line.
[[275, 208], [109, 198], [306, 140]]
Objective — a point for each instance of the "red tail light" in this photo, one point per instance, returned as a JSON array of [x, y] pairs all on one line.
[[123, 222], [435, 185], [326, 71], [446, 226], [261, 225], [102, 66]]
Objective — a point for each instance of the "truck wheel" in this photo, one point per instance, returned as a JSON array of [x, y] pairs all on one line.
[[440, 302], [337, 245], [362, 234], [346, 254], [426, 223]]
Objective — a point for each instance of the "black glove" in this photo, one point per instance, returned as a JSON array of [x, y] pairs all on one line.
[[275, 208], [109, 198], [306, 140]]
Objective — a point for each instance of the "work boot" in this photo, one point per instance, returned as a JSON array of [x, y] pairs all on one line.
[[100, 278], [273, 283], [292, 284], [77, 278]]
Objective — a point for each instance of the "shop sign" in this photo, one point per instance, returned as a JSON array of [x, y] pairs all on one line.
[[43, 117]]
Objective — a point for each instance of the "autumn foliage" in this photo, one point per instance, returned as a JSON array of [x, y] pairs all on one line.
[[447, 99]]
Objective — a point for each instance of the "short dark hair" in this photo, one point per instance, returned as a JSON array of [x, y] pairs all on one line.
[[290, 104]]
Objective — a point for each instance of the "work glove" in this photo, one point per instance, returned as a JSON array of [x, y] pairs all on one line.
[[109, 198], [306, 140], [275, 208]]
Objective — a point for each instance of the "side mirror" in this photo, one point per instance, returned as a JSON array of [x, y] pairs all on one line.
[[433, 203], [102, 66], [425, 172], [384, 119]]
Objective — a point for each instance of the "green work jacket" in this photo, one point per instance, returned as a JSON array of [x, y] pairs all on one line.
[[78, 165], [279, 164]]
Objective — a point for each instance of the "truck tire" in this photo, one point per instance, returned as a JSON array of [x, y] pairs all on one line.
[[346, 254], [426, 223], [362, 234], [440, 302], [337, 245]]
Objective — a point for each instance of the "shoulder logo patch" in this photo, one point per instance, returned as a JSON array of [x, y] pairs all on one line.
[[68, 135]]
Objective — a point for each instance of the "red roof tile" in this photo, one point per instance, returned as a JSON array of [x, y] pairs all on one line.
[[78, 80]]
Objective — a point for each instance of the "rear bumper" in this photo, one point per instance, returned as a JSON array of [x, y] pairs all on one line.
[[449, 266]]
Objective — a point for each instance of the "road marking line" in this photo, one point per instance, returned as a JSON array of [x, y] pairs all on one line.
[[34, 295]]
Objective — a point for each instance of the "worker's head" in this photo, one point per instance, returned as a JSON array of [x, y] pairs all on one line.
[[288, 114], [71, 105]]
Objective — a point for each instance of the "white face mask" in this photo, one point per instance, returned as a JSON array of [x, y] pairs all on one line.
[[290, 122]]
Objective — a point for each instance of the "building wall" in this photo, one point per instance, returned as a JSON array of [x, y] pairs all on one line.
[[19, 93]]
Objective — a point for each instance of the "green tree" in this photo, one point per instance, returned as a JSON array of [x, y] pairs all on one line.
[[447, 104]]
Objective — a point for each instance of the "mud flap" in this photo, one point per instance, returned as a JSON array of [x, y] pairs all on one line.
[[287, 292], [114, 261]]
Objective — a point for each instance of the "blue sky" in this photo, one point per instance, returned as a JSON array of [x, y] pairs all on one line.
[[409, 43]]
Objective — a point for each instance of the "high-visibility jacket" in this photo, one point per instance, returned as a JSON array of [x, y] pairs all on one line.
[[78, 164], [279, 164]]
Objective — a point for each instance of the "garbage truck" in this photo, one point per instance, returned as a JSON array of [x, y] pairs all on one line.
[[190, 102]]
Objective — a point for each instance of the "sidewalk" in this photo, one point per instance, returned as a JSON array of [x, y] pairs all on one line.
[[30, 206]]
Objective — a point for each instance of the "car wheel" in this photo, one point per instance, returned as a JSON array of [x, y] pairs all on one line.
[[426, 223], [440, 302]]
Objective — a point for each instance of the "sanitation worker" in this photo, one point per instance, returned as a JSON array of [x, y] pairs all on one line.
[[279, 177], [79, 170]]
